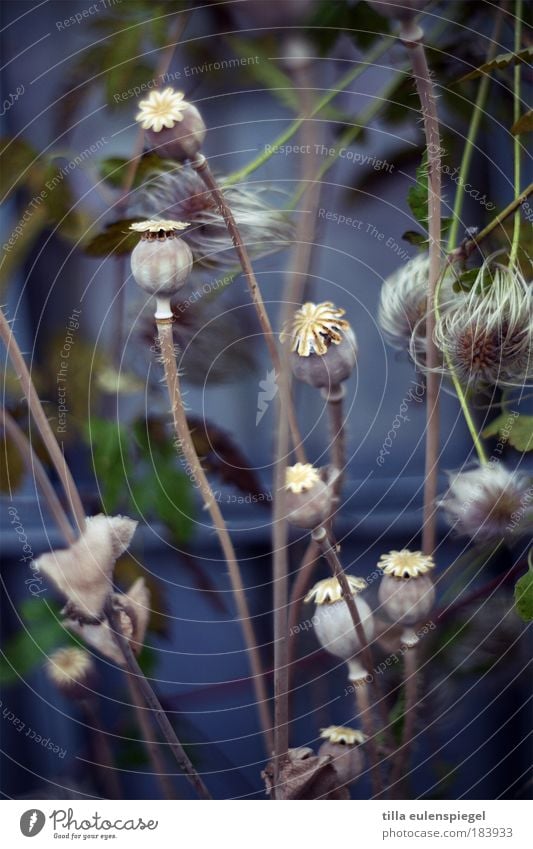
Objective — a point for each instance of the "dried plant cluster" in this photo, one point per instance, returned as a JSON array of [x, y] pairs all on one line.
[[467, 325]]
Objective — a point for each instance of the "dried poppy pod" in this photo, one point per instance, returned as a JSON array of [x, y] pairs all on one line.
[[333, 623], [323, 345], [308, 498], [173, 127], [343, 746], [161, 262], [406, 590], [72, 671]]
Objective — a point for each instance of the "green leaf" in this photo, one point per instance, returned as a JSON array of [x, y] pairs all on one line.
[[360, 22], [503, 60], [110, 447], [524, 124], [114, 169], [115, 239], [11, 465], [518, 432], [29, 647], [521, 436], [397, 717], [19, 166], [415, 238], [523, 596]]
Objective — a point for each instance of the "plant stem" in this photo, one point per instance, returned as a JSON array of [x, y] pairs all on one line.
[[468, 151], [149, 740], [431, 128], [280, 539], [362, 704], [454, 229], [370, 59], [35, 467], [351, 133], [298, 592], [410, 660], [335, 407], [482, 592], [153, 702], [102, 752], [42, 423], [201, 166], [469, 246], [164, 328], [292, 295], [320, 536], [460, 392], [176, 31], [517, 143]]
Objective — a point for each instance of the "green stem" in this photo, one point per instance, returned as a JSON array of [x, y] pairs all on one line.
[[350, 134], [461, 395], [470, 144], [370, 59], [452, 239], [517, 143]]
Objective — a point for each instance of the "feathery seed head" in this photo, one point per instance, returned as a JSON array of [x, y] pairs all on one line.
[[488, 332], [489, 502]]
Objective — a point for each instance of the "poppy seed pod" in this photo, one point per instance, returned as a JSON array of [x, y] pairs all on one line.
[[308, 498], [173, 127], [343, 747], [332, 621], [406, 590], [161, 262], [323, 345]]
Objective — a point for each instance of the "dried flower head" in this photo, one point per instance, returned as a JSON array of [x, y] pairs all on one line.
[[403, 306], [83, 572], [134, 608], [406, 564], [487, 333], [181, 194], [489, 502], [314, 327], [158, 227], [340, 734], [67, 668], [329, 590], [161, 109], [301, 477]]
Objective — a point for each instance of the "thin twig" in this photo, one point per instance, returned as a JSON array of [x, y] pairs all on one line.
[[431, 127], [292, 295], [102, 751], [362, 704], [153, 702], [35, 467], [410, 667], [299, 590], [201, 166], [36, 411], [149, 740], [320, 536], [186, 445], [335, 407], [470, 246]]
